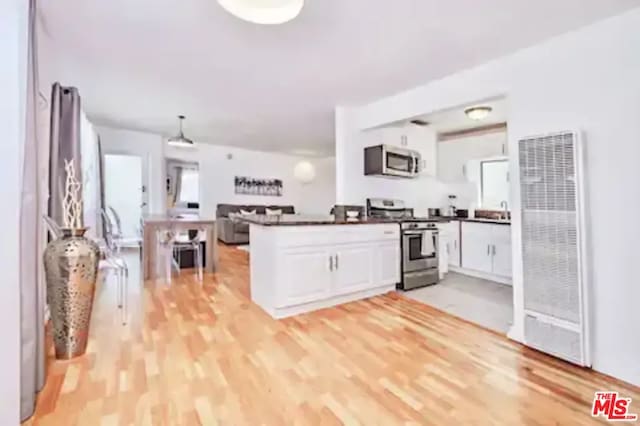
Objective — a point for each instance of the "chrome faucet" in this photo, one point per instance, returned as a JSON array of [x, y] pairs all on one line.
[[505, 207]]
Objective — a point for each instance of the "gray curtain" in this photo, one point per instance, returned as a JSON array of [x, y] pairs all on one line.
[[64, 144], [32, 296], [100, 228]]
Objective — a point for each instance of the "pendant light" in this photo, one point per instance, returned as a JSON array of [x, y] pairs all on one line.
[[180, 140], [268, 12]]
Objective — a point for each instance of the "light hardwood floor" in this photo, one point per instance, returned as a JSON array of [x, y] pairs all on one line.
[[195, 354]]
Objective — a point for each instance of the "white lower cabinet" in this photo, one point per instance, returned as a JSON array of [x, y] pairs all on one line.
[[502, 250], [309, 266], [486, 248], [387, 262], [301, 269], [353, 268]]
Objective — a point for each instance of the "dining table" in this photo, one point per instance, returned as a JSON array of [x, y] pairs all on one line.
[[154, 223]]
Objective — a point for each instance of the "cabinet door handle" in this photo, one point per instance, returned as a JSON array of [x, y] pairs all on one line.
[[455, 244], [331, 263], [488, 249], [494, 249], [337, 266]]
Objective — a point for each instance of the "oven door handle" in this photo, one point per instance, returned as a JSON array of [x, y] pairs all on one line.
[[434, 233]]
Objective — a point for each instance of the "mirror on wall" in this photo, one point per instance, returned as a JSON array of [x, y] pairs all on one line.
[[182, 187]]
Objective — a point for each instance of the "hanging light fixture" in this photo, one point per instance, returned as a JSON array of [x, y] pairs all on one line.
[[268, 12], [478, 113], [180, 140]]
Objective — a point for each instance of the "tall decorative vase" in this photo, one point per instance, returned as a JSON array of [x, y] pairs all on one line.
[[71, 267]]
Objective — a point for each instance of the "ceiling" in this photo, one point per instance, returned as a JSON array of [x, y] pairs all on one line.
[[140, 63], [455, 119]]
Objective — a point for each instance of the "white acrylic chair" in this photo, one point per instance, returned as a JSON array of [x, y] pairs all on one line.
[[114, 261]]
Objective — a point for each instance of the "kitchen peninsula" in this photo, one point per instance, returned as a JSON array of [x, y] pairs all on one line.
[[301, 263]]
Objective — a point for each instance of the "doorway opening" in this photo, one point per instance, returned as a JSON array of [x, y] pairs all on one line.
[[124, 193]]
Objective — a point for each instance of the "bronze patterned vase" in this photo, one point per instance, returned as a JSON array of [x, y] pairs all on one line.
[[71, 268]]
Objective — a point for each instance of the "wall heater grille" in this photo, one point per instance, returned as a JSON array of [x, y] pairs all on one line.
[[552, 239]]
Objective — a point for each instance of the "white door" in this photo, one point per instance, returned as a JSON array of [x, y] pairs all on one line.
[[307, 276], [387, 262], [501, 250], [353, 268], [476, 247], [123, 190]]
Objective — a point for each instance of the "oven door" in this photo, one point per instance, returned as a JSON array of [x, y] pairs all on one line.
[[400, 162], [414, 258]]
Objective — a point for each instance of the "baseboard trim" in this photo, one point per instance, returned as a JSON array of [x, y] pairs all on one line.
[[288, 311], [477, 274]]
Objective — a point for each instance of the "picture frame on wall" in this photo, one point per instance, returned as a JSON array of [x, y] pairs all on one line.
[[253, 186]]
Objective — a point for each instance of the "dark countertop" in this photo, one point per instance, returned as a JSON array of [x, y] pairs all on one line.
[[481, 220], [305, 220]]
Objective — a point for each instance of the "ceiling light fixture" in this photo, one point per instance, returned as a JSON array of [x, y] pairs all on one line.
[[267, 12], [180, 140], [478, 113]]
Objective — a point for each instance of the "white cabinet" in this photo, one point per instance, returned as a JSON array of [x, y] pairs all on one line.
[[454, 154], [353, 268], [502, 250], [476, 247], [421, 139], [297, 269], [307, 265], [486, 248], [387, 262], [452, 230]]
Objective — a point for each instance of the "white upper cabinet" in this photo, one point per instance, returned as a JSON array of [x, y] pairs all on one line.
[[419, 138], [454, 154]]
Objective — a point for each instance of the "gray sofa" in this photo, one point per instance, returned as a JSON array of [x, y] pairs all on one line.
[[234, 232]]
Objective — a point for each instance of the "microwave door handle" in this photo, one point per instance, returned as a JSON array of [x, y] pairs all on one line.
[[415, 163]]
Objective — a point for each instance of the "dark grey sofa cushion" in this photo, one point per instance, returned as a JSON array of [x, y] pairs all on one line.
[[223, 210]]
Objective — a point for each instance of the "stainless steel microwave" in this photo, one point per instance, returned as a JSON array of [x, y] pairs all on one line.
[[388, 160]]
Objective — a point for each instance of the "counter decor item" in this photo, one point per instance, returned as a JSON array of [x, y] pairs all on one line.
[[71, 269]]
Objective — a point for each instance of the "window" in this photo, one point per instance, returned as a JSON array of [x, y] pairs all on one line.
[[189, 186], [494, 184]]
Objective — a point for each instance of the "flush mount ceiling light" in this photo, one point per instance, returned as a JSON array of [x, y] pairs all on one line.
[[268, 12], [180, 140], [478, 113]]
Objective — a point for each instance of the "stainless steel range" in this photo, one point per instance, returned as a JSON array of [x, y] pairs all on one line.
[[418, 242]]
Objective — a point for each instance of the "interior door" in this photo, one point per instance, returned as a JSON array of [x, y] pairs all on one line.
[[476, 247], [353, 268], [308, 276]]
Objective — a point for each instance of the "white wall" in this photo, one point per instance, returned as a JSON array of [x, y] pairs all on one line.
[[217, 172], [13, 45], [586, 80]]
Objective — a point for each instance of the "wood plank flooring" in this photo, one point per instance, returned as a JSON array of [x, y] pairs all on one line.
[[203, 354]]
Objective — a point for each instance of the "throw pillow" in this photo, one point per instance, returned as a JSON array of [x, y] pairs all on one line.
[[247, 212], [273, 212]]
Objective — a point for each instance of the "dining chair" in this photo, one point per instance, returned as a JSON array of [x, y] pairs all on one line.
[[114, 261], [190, 241], [52, 227]]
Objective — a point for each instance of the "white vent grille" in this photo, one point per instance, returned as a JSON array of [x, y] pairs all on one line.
[[553, 285]]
